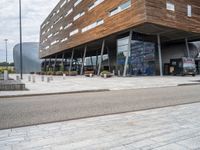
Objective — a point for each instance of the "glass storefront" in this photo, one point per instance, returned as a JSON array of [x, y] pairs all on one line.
[[141, 57]]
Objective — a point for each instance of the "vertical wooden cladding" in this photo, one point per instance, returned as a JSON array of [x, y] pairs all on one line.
[[112, 24], [158, 14]]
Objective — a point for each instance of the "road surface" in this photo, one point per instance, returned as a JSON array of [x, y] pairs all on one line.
[[23, 111]]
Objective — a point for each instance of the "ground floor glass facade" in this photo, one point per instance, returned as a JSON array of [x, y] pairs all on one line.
[[141, 56]]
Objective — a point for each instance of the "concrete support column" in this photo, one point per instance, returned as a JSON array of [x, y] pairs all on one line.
[[109, 62], [128, 53], [187, 47], [160, 55], [54, 68], [62, 63], [97, 61], [100, 63], [45, 65], [63, 56], [83, 62], [71, 61], [49, 63]]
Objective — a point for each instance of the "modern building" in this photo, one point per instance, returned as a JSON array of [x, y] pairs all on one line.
[[30, 58], [134, 35]]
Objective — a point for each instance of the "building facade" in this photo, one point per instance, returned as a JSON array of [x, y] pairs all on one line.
[[30, 57], [130, 34]]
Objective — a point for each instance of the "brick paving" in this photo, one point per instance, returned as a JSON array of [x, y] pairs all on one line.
[[81, 83], [171, 128]]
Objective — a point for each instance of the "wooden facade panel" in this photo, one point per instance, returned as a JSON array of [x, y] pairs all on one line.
[[140, 12], [158, 14], [121, 21]]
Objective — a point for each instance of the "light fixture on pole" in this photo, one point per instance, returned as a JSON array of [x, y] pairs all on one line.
[[6, 46], [20, 33]]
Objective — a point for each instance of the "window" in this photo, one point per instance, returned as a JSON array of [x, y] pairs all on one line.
[[55, 42], [50, 35], [69, 12], [67, 26], [65, 39], [96, 3], [77, 2], [63, 3], [73, 32], [47, 47], [170, 6], [120, 8], [79, 15], [94, 25], [189, 10], [58, 20]]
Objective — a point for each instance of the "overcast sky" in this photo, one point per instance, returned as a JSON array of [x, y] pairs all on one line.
[[33, 14]]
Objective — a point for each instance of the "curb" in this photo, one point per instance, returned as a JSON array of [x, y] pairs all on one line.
[[58, 93], [188, 84]]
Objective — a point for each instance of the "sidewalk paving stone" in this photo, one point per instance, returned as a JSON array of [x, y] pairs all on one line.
[[81, 83], [170, 128]]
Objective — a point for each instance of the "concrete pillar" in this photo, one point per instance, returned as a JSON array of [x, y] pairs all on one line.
[[49, 63], [71, 61], [83, 62], [160, 55], [109, 62], [63, 56], [54, 69], [187, 47], [45, 65], [100, 63], [97, 61], [127, 56]]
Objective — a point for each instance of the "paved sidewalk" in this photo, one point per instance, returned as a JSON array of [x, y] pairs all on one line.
[[171, 128], [81, 83]]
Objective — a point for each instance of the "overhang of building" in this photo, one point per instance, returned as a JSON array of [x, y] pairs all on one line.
[[168, 35]]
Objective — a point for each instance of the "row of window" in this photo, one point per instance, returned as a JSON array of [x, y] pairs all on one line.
[[171, 7], [120, 8]]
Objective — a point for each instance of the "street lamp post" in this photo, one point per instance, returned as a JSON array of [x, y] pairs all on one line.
[[6, 45], [20, 33]]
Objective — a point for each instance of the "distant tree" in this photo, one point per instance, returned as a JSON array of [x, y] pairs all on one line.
[[11, 64], [4, 64]]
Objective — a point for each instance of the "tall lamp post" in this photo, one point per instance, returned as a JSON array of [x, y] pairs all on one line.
[[6, 45], [20, 33]]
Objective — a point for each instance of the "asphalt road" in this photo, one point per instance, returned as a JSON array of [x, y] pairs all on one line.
[[17, 112]]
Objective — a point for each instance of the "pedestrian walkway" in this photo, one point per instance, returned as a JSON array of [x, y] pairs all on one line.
[[81, 83], [171, 128]]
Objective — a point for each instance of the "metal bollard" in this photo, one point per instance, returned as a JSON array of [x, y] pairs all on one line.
[[113, 72], [29, 78], [105, 76], [33, 79], [119, 74], [48, 79], [5, 75], [42, 78], [17, 78], [51, 78], [64, 76]]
